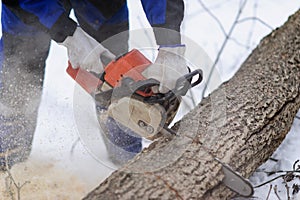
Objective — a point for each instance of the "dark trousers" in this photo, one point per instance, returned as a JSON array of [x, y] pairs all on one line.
[[21, 79]]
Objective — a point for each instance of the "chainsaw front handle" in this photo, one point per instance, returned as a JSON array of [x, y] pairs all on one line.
[[183, 84]]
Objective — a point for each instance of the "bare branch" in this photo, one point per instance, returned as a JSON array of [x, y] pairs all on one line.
[[287, 190], [239, 43], [18, 186], [269, 181], [255, 19], [269, 192], [214, 17], [243, 3], [276, 192]]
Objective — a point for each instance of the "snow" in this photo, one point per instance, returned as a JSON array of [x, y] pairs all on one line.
[[286, 154], [65, 110]]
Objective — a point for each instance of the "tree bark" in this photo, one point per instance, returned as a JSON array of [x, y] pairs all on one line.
[[241, 123]]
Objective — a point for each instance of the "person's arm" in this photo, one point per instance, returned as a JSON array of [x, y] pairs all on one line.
[[51, 15], [165, 16]]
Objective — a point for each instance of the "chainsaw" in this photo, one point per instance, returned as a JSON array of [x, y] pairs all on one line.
[[128, 96], [130, 99]]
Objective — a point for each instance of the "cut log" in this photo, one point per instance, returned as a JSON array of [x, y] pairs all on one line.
[[241, 123]]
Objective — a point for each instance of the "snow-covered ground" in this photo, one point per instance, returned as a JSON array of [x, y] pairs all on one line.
[[56, 142]]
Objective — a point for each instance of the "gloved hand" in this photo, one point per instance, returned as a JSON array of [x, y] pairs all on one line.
[[84, 51], [168, 67]]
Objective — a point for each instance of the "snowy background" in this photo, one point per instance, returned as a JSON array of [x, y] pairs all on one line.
[[56, 149]]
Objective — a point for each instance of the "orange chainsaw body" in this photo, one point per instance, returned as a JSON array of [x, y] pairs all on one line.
[[132, 64]]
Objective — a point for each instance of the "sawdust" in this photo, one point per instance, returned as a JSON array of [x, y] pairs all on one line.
[[41, 181]]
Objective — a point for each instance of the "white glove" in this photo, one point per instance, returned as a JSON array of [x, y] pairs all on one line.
[[84, 51], [168, 67]]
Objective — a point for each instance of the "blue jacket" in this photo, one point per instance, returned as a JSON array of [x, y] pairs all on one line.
[[28, 16]]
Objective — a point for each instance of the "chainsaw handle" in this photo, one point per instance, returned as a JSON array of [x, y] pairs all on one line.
[[129, 87], [195, 73], [184, 83], [88, 81]]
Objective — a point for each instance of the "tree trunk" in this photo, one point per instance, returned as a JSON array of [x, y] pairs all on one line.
[[241, 123]]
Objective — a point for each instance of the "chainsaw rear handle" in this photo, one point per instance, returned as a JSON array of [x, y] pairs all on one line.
[[88, 81]]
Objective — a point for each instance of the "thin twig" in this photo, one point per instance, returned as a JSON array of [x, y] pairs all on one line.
[[239, 43], [269, 192], [287, 190], [18, 186], [208, 10], [294, 165], [273, 159], [243, 3], [257, 19], [269, 181], [276, 193], [8, 185], [281, 171], [214, 17], [273, 179]]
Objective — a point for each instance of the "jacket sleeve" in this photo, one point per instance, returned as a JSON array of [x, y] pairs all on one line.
[[51, 15], [165, 16]]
